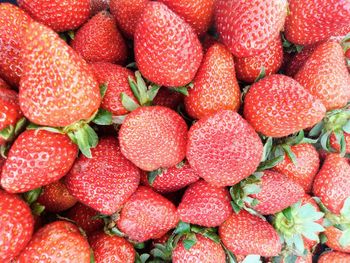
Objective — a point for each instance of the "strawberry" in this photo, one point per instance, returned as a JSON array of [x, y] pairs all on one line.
[[59, 241], [168, 98], [147, 139], [56, 198], [335, 144], [299, 59], [325, 75], [215, 86], [13, 23], [246, 234], [278, 106], [167, 50], [3, 84], [205, 205], [16, 225], [60, 15], [312, 21], [247, 27], [105, 181], [98, 6], [198, 14], [147, 215], [333, 236], [268, 62], [334, 257], [99, 40], [215, 147], [37, 158], [108, 248]]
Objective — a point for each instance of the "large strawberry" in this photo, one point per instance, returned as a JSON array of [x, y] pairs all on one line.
[[278, 106], [215, 86], [215, 148], [60, 15], [334, 257], [16, 225], [247, 27], [167, 50], [37, 158]]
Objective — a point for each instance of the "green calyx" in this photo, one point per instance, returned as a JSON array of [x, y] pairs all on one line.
[[345, 43], [290, 47], [151, 176], [10, 132]]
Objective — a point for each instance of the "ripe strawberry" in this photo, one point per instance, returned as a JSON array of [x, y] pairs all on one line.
[[270, 59], [168, 98], [108, 248], [105, 181], [13, 23], [60, 15], [16, 225], [205, 205], [333, 236], [99, 40], [147, 139], [167, 50], [334, 257], [98, 6], [312, 21], [215, 86], [299, 59], [278, 106], [246, 234], [37, 158], [247, 27], [3, 84], [56, 198], [59, 241], [325, 75], [335, 144], [142, 210]]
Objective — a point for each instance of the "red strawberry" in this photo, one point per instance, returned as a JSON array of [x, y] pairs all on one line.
[[246, 234], [16, 225], [334, 257], [153, 137], [247, 27], [270, 59], [108, 248], [198, 14], [99, 40], [56, 198], [326, 76], [312, 21], [168, 98], [98, 6], [147, 215], [37, 158], [205, 205], [167, 50], [59, 241], [60, 15], [215, 86], [335, 144], [13, 23], [3, 84], [333, 236], [299, 59], [278, 106], [105, 181], [215, 148]]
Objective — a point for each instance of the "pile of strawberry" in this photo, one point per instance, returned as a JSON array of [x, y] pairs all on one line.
[[185, 131]]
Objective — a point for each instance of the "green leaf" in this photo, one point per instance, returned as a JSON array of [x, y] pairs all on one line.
[[139, 245], [267, 148], [230, 257], [235, 207], [316, 130], [37, 208], [339, 135], [344, 240], [323, 238], [252, 259], [131, 65], [325, 141], [128, 103], [134, 88], [290, 259], [118, 119], [103, 117], [299, 243], [189, 241], [345, 211], [346, 127], [299, 48], [182, 228], [92, 256], [71, 34], [262, 74], [152, 92], [288, 213], [144, 257], [91, 135], [183, 90], [290, 154], [31, 196], [153, 175], [7, 132], [116, 231], [83, 141], [142, 88], [20, 125], [103, 89], [270, 163]]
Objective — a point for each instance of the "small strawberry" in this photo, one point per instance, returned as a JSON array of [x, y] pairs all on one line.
[[139, 214], [168, 98], [99, 40], [205, 205], [299, 59], [59, 241], [215, 86], [16, 225], [333, 236], [334, 257], [167, 50], [278, 106], [60, 15], [37, 158]]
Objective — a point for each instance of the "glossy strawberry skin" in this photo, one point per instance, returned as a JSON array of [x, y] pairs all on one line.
[[37, 158], [157, 131], [167, 50], [56, 242], [333, 235], [60, 15], [215, 148], [99, 40], [168, 98], [147, 215], [335, 145], [16, 225], [10, 112], [334, 257], [13, 23], [105, 181], [205, 205], [215, 86], [246, 234], [57, 86], [277, 106], [246, 27]]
